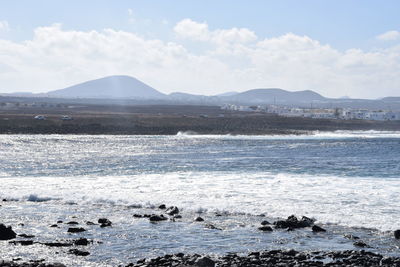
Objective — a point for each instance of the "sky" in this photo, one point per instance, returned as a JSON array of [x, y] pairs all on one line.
[[334, 47]]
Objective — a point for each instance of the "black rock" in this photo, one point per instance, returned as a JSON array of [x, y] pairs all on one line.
[[162, 207], [78, 252], [265, 228], [178, 216], [59, 221], [352, 237], [76, 230], [293, 223], [317, 229], [360, 244], [211, 226], [265, 222], [137, 216], [26, 236], [104, 222], [397, 234], [22, 242], [90, 223], [199, 219], [157, 218], [72, 223], [57, 244], [172, 210], [54, 225], [204, 262], [6, 233], [81, 242]]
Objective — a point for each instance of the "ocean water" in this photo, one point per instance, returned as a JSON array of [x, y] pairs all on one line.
[[348, 181]]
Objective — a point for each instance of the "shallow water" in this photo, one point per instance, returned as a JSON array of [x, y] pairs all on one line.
[[348, 181]]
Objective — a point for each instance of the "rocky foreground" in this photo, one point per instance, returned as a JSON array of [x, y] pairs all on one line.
[[75, 247]]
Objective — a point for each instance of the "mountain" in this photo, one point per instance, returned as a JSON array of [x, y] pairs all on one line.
[[110, 87], [275, 95], [391, 99]]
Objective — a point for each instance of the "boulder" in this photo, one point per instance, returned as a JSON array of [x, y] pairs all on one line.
[[204, 262], [162, 207], [292, 222], [397, 234], [360, 244], [317, 229], [157, 218], [76, 230], [78, 252], [172, 210], [22, 242], [265, 222], [265, 228], [199, 219], [6, 233], [81, 242], [104, 222]]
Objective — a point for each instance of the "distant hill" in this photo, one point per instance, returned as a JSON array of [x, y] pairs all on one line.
[[109, 87], [275, 95], [391, 99]]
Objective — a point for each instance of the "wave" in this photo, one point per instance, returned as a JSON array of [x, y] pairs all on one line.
[[349, 201], [312, 135]]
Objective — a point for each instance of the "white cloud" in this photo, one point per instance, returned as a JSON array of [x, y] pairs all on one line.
[[389, 36], [237, 60], [190, 29], [4, 26], [130, 12]]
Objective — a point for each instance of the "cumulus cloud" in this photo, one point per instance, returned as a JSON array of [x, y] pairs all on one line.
[[190, 29], [238, 60], [4, 26], [389, 36]]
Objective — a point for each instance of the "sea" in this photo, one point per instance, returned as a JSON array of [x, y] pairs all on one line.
[[348, 181]]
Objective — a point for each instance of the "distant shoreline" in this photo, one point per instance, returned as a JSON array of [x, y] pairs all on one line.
[[170, 120]]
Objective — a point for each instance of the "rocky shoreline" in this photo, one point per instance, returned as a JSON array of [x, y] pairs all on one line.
[[79, 245]]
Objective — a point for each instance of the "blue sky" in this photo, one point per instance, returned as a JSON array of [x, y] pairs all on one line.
[[343, 25]]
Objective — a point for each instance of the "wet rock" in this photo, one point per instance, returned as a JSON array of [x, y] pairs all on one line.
[[360, 244], [6, 232], [265, 228], [26, 236], [351, 237], [178, 216], [60, 221], [162, 207], [137, 216], [172, 210], [397, 234], [157, 218], [211, 226], [22, 242], [90, 223], [81, 242], [56, 244], [293, 223], [72, 223], [104, 222], [317, 229], [204, 262], [76, 230], [265, 222], [54, 225], [199, 219], [78, 252]]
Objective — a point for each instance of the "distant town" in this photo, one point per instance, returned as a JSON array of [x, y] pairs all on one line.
[[319, 113]]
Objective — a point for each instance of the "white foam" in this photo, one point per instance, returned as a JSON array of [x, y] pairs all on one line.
[[312, 135], [355, 201]]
